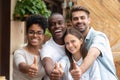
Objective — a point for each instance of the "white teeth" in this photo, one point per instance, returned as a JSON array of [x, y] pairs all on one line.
[[57, 30], [34, 40], [72, 49]]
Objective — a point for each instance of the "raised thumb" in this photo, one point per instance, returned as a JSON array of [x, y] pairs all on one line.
[[74, 65], [35, 60], [56, 65]]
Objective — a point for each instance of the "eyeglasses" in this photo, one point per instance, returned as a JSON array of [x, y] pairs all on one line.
[[37, 33]]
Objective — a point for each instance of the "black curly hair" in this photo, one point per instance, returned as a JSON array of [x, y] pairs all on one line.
[[36, 19]]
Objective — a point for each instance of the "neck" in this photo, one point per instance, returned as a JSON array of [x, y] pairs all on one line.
[[77, 56], [59, 41], [32, 49], [86, 32]]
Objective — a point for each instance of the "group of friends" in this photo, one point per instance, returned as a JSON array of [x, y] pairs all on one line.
[[72, 53]]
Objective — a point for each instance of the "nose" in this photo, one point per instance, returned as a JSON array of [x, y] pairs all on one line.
[[57, 25], [35, 34], [79, 20], [70, 45]]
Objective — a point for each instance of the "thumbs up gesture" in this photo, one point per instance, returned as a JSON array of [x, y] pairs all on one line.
[[76, 72], [33, 69], [57, 72]]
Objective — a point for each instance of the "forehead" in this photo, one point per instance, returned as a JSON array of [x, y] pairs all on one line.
[[56, 18], [70, 37], [79, 13], [35, 27]]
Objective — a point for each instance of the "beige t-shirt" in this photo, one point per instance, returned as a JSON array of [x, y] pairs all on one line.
[[21, 55]]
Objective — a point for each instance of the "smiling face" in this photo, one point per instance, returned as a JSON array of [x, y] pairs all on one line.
[[73, 44], [35, 35], [57, 26], [80, 20]]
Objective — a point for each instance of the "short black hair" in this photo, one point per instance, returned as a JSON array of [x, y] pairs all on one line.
[[56, 13], [36, 19], [79, 8]]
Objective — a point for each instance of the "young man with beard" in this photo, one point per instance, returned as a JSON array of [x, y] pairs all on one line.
[[97, 44]]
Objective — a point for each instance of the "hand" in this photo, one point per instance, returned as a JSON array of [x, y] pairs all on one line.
[[33, 69], [57, 72], [76, 72]]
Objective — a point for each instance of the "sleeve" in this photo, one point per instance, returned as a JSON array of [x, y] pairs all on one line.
[[95, 72], [18, 57], [101, 42], [46, 51]]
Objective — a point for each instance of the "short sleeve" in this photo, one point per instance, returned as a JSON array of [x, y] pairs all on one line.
[[46, 51], [101, 42], [18, 57]]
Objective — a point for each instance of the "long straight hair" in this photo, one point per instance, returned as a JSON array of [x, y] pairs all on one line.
[[83, 49]]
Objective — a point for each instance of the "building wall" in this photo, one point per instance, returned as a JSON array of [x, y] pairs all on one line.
[[105, 17], [0, 34], [17, 36]]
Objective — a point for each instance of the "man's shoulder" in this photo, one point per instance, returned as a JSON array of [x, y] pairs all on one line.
[[48, 43], [94, 32]]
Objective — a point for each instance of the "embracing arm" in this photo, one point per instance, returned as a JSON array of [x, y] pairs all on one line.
[[92, 55]]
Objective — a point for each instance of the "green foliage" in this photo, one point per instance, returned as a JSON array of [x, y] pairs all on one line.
[[47, 32], [29, 7]]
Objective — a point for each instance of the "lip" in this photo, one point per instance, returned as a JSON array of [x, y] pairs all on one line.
[[80, 25], [34, 40], [58, 32]]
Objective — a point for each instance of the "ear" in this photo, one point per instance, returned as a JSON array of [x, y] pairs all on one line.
[[89, 20]]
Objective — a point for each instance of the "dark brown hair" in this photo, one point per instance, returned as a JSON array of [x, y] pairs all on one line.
[[83, 49], [79, 8]]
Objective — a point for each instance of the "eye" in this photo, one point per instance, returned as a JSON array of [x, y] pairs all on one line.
[[66, 43], [60, 22], [39, 32], [75, 18], [73, 41], [31, 32], [82, 17], [52, 24]]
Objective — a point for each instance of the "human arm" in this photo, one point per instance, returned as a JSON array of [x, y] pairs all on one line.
[[48, 65], [92, 55], [97, 47], [57, 73], [53, 71], [75, 72], [31, 70]]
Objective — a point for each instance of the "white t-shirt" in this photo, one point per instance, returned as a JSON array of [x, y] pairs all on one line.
[[52, 50], [21, 55]]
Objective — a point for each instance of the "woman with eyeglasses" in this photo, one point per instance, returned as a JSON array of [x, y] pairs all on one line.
[[27, 64]]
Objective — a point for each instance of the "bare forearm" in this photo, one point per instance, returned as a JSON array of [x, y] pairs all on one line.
[[93, 53], [48, 65], [23, 67]]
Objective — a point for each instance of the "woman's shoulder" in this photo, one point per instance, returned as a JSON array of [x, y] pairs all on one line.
[[19, 51]]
